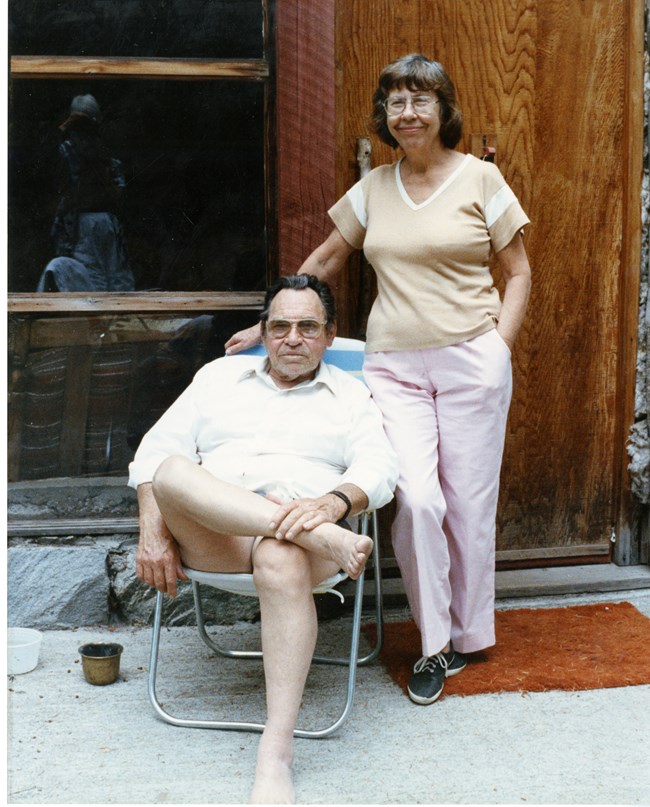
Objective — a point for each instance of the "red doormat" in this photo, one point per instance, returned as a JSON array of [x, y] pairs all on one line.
[[579, 647]]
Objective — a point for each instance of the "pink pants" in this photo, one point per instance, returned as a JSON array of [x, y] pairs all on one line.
[[445, 412]]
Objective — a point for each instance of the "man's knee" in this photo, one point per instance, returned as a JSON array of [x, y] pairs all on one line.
[[168, 475], [281, 565]]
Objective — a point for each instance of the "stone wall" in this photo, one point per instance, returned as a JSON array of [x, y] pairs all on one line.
[[76, 579], [71, 582], [639, 440]]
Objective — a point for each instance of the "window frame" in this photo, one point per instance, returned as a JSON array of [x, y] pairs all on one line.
[[165, 69]]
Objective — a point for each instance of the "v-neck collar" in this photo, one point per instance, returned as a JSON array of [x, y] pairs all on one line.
[[404, 194]]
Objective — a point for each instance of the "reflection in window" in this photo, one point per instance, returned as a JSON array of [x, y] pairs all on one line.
[[192, 153], [84, 390], [190, 156]]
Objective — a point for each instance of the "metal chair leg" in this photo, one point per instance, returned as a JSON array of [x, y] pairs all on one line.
[[369, 527], [205, 636], [379, 590], [246, 726], [158, 708]]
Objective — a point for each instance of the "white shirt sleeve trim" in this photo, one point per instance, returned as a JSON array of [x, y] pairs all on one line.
[[355, 195], [498, 204]]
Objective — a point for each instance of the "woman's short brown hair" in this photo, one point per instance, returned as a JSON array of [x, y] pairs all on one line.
[[416, 72]]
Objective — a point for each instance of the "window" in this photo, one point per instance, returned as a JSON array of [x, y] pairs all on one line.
[[183, 88], [192, 209], [185, 93]]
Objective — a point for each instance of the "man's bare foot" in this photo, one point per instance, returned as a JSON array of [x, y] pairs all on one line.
[[273, 774], [349, 550]]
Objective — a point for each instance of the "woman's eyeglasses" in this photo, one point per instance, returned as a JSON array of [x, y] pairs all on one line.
[[421, 103]]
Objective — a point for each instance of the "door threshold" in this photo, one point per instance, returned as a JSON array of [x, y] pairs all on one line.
[[539, 582], [552, 580]]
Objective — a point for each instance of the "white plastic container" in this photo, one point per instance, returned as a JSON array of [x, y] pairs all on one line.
[[23, 648]]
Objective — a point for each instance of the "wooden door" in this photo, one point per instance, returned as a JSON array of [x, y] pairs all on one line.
[[556, 86]]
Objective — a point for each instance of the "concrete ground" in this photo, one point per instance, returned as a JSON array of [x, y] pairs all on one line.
[[73, 743]]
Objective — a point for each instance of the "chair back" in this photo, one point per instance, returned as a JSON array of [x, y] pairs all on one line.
[[346, 354]]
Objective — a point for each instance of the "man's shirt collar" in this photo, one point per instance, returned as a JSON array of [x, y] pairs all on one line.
[[323, 376]]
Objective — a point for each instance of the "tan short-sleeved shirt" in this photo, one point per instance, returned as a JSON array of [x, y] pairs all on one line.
[[431, 259]]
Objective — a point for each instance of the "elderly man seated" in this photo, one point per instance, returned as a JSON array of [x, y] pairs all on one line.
[[253, 469]]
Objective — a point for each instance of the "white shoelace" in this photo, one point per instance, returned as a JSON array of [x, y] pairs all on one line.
[[428, 663]]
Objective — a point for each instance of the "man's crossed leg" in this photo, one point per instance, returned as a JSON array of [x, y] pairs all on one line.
[[212, 525]]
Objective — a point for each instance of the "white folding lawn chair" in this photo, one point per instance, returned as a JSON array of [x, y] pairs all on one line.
[[348, 355]]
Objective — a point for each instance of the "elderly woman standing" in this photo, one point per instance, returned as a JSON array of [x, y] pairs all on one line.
[[438, 351]]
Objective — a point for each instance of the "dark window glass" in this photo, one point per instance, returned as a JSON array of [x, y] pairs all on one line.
[[216, 29], [84, 390], [192, 155]]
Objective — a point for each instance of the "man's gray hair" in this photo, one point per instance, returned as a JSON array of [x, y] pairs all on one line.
[[301, 282]]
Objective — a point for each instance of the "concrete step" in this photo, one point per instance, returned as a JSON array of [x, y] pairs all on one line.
[[571, 580], [549, 581]]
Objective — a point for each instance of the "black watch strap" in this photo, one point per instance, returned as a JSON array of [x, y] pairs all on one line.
[[344, 498]]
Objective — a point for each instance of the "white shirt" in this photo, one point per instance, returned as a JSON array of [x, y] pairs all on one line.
[[297, 442]]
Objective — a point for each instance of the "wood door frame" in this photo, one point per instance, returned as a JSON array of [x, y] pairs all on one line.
[[627, 549], [306, 132]]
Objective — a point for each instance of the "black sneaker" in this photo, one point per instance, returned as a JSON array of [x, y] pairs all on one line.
[[456, 664], [429, 673]]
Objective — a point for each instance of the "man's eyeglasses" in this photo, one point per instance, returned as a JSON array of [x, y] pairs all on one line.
[[307, 328], [421, 103]]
